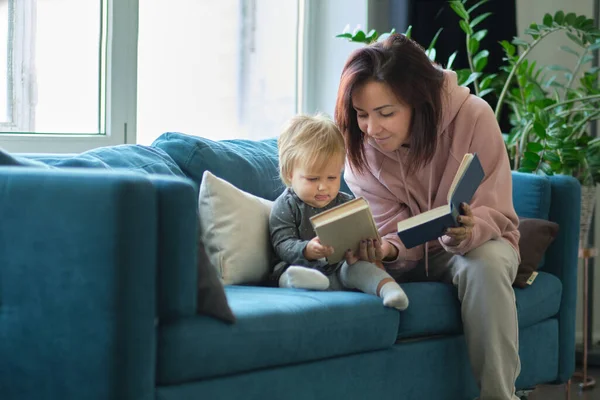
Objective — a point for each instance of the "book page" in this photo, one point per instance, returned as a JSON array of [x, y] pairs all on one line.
[[340, 211], [423, 217], [464, 164]]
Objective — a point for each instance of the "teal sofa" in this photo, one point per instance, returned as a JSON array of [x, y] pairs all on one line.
[[99, 286]]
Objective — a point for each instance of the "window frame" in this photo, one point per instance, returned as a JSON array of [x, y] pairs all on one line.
[[120, 95]]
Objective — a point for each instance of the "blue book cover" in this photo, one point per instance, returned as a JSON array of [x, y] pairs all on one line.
[[432, 224]]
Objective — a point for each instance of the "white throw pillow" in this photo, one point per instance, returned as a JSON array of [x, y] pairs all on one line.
[[234, 227]]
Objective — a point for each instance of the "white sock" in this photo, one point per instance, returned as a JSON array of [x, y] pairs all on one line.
[[303, 278], [365, 277], [393, 296]]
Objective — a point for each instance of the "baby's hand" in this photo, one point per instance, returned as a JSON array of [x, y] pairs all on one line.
[[314, 250]]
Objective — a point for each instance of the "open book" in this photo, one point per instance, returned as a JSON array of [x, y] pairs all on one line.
[[431, 224], [344, 226]]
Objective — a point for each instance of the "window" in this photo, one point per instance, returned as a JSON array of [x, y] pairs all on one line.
[[64, 84], [218, 69], [224, 69]]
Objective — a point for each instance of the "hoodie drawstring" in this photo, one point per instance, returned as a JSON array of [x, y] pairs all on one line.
[[426, 249]]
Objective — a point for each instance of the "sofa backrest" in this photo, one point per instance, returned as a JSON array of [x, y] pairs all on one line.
[[249, 165], [531, 195]]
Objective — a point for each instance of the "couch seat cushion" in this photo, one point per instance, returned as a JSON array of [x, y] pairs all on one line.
[[274, 327], [435, 310]]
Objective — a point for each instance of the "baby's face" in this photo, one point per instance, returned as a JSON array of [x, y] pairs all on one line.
[[318, 187]]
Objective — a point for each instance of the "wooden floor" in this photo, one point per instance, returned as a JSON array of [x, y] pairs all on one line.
[[558, 392]]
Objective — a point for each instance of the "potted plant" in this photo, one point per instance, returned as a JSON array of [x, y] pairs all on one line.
[[550, 107]]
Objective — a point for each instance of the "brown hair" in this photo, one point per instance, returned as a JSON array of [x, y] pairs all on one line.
[[402, 64], [309, 140]]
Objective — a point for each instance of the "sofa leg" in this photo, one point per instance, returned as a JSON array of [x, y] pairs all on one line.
[[568, 390]]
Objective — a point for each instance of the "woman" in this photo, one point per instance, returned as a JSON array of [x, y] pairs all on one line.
[[407, 126]]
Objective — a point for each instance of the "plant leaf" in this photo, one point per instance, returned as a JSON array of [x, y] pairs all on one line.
[[465, 27], [569, 50], [473, 7], [559, 17], [451, 60], [485, 91], [431, 53], [570, 19], [435, 38], [529, 164], [531, 156], [535, 147], [546, 168], [520, 42], [508, 48], [539, 130], [473, 45], [575, 39], [459, 9], [548, 19], [471, 78], [480, 60], [479, 35], [479, 18], [359, 36], [551, 156]]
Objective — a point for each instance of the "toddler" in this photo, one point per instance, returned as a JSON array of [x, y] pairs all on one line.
[[311, 159]]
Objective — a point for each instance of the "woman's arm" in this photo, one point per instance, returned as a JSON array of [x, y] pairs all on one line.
[[492, 204]]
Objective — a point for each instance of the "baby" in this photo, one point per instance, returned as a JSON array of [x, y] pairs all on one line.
[[311, 159]]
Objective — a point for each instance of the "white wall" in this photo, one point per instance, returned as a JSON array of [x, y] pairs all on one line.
[[327, 54], [547, 52]]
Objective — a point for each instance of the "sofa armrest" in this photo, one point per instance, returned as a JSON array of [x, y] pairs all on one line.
[[562, 261], [177, 247], [77, 284]]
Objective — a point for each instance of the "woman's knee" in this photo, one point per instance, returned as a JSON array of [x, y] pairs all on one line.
[[494, 261]]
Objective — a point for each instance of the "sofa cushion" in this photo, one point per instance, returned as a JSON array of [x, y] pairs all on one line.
[[531, 195], [435, 310], [274, 327], [251, 165], [13, 160], [136, 158], [234, 229], [536, 236]]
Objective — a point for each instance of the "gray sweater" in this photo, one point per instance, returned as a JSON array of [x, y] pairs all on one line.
[[291, 230]]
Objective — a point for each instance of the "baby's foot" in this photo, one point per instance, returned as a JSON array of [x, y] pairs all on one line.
[[393, 296], [303, 278]]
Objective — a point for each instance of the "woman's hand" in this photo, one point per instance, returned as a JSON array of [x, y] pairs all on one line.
[[370, 250], [314, 250], [455, 236]]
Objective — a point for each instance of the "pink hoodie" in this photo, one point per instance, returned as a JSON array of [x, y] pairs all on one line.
[[468, 126]]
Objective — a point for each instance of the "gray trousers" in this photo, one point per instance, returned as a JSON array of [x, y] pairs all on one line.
[[484, 278]]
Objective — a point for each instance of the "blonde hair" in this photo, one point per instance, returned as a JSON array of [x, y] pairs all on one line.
[[308, 140]]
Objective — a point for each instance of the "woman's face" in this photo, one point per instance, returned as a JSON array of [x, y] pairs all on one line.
[[381, 115]]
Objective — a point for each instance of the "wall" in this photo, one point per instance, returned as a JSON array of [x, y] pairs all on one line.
[[547, 53], [326, 54]]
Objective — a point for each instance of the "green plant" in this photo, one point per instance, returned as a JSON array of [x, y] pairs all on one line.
[[550, 107], [359, 36]]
